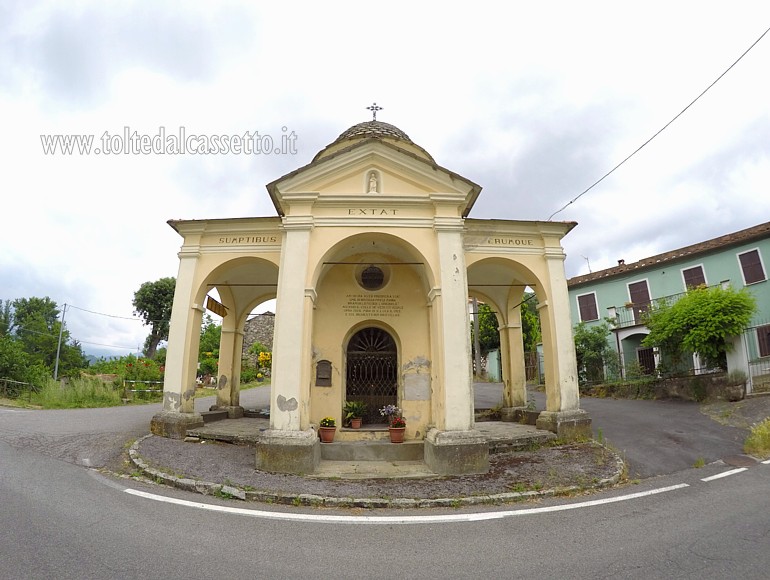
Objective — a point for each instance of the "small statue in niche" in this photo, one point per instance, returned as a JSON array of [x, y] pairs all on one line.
[[372, 182]]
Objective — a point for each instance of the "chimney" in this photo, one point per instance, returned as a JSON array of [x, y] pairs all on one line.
[[621, 262]]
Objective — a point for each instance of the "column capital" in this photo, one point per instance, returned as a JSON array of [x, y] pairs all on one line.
[[448, 224], [298, 222], [189, 252]]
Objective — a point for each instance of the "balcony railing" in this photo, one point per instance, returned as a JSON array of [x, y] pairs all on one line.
[[632, 313]]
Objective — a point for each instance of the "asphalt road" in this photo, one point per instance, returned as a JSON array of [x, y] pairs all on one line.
[[653, 437], [59, 520]]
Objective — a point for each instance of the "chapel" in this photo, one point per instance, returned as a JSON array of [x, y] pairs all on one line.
[[372, 259]]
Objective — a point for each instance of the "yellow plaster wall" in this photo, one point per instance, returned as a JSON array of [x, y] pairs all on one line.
[[334, 322]]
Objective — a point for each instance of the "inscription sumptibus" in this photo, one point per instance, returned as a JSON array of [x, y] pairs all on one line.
[[248, 239]]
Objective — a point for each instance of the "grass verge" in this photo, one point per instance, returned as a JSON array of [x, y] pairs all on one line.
[[758, 441]]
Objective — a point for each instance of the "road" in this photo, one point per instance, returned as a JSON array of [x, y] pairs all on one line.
[[59, 520]]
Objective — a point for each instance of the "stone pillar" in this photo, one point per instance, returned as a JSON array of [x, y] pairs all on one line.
[[563, 415], [178, 414], [515, 394], [290, 445], [227, 394], [454, 446]]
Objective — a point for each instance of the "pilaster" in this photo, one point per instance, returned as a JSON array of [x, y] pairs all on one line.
[[182, 355], [454, 324]]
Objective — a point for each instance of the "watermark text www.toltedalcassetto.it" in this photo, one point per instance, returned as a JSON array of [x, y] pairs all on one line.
[[170, 143]]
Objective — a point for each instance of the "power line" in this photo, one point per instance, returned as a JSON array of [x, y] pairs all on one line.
[[133, 318], [611, 171]]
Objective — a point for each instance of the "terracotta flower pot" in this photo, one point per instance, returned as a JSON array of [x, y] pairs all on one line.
[[355, 422], [326, 434], [396, 434]]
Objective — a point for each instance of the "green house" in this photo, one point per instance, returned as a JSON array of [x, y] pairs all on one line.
[[622, 293]]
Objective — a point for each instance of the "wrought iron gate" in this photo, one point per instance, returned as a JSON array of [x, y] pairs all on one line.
[[372, 372]]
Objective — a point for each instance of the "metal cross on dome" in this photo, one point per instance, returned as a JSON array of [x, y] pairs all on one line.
[[374, 108]]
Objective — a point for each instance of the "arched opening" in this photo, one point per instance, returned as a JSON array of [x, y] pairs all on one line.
[[371, 374]]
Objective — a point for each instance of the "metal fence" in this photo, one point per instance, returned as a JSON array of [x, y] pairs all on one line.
[[10, 389], [145, 388]]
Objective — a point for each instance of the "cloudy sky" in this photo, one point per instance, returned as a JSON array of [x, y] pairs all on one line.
[[534, 103]]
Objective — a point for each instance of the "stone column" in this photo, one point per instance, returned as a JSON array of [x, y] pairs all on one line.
[[454, 446], [178, 414], [563, 415], [227, 395], [516, 389], [290, 445]]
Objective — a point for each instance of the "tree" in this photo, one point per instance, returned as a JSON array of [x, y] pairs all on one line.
[[208, 349], [13, 360], [700, 322], [26, 310], [489, 337], [530, 322], [153, 302], [37, 326], [593, 351], [6, 318]]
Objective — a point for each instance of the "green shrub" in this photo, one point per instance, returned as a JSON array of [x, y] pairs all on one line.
[[248, 374], [758, 441], [77, 394]]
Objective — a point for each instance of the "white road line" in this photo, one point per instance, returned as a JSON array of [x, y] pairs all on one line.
[[449, 518], [724, 474], [765, 462]]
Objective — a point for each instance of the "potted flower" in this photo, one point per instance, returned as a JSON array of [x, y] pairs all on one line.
[[354, 413], [327, 428], [396, 423]]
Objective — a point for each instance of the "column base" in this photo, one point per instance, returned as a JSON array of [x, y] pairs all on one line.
[[233, 412], [456, 452], [568, 425], [297, 452], [521, 415], [174, 425]]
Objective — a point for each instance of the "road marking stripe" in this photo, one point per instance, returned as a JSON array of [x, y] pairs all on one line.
[[724, 474], [448, 518], [766, 462]]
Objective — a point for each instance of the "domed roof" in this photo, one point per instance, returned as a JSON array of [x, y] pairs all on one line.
[[374, 130]]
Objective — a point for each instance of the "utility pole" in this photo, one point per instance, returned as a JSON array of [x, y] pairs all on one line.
[[58, 348]]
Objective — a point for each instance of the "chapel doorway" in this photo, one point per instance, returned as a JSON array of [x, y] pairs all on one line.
[[372, 372]]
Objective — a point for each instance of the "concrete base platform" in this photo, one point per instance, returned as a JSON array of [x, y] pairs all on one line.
[[362, 459]]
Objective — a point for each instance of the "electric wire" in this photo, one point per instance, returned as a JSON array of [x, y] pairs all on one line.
[[611, 171]]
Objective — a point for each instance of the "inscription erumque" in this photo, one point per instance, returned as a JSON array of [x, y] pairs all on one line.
[[510, 242]]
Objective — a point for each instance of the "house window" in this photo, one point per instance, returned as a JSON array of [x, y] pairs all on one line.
[[639, 293], [751, 266], [587, 307], [693, 277], [763, 338]]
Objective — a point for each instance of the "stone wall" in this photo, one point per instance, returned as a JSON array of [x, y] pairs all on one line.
[[259, 329], [707, 387]]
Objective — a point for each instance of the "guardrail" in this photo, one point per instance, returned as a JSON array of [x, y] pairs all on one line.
[[14, 389], [128, 392]]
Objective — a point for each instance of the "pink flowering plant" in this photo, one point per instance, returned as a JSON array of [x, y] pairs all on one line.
[[393, 414]]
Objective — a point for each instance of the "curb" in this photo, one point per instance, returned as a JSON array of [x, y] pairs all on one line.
[[312, 500]]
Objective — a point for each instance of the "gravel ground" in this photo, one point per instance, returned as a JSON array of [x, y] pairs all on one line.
[[578, 465]]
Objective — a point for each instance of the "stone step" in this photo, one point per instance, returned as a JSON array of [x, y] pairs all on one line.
[[211, 416], [372, 451], [371, 469]]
